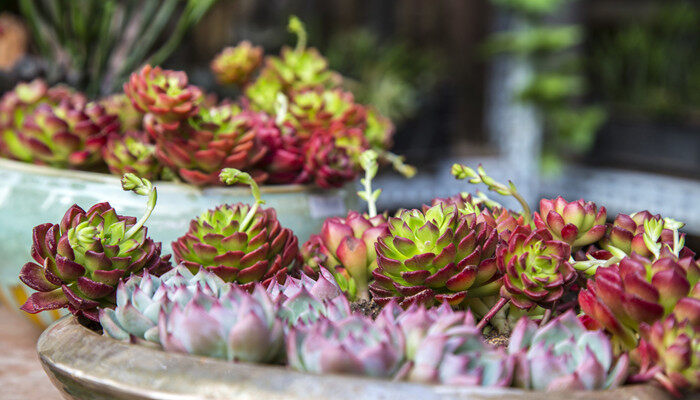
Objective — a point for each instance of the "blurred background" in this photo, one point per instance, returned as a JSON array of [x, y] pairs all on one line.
[[598, 99]]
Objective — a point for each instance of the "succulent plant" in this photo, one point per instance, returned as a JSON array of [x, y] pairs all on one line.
[[65, 135], [444, 346], [314, 109], [140, 300], [673, 348], [329, 164], [80, 261], [134, 152], [283, 160], [236, 326], [16, 104], [164, 96], [435, 255], [577, 223], [564, 355], [503, 220], [323, 287], [536, 268], [354, 345], [236, 65], [639, 290], [305, 300], [240, 243], [627, 233], [301, 66], [216, 138], [119, 104], [346, 247]]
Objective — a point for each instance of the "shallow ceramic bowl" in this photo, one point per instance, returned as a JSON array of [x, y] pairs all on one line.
[[86, 366], [31, 195]]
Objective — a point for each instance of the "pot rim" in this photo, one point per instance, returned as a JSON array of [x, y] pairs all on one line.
[[99, 177], [76, 357]]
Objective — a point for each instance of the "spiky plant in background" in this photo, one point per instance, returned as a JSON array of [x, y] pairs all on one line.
[[240, 243], [80, 261]]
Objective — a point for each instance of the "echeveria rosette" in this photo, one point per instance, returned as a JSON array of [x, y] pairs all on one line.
[[236, 65], [67, 136], [637, 290], [444, 346], [236, 326], [22, 100], [216, 138], [353, 345], [316, 109], [564, 355], [671, 352], [80, 261], [577, 223], [241, 243], [133, 152], [140, 300], [165, 96], [346, 247], [305, 300], [536, 268], [435, 255]]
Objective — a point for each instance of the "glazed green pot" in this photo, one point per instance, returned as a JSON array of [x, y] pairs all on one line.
[[86, 366], [31, 195]]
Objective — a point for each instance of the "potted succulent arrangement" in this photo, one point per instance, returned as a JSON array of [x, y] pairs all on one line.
[[293, 129], [462, 298]]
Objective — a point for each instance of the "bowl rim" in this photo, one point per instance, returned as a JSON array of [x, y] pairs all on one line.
[[113, 180], [74, 355]]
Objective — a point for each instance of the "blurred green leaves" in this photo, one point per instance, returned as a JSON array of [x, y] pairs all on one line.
[[96, 44]]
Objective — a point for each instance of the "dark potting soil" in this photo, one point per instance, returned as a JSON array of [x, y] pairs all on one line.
[[366, 307], [496, 339]]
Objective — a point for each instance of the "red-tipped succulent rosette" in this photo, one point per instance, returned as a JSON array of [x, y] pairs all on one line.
[[577, 223], [436, 255], [345, 246], [165, 96], [236, 65], [536, 268], [638, 290], [329, 164], [79, 262]]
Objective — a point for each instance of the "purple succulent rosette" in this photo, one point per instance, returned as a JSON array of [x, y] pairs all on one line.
[[564, 355], [353, 345], [140, 300], [444, 346], [236, 326]]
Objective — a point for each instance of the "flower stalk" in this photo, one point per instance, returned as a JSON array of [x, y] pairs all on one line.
[[142, 187], [232, 176]]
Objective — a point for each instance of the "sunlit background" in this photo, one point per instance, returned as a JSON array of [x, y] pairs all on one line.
[[597, 99]]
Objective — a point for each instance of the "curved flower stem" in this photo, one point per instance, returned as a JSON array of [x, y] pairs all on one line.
[[368, 161], [399, 164], [479, 176], [297, 27], [496, 307], [143, 187], [231, 176]]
